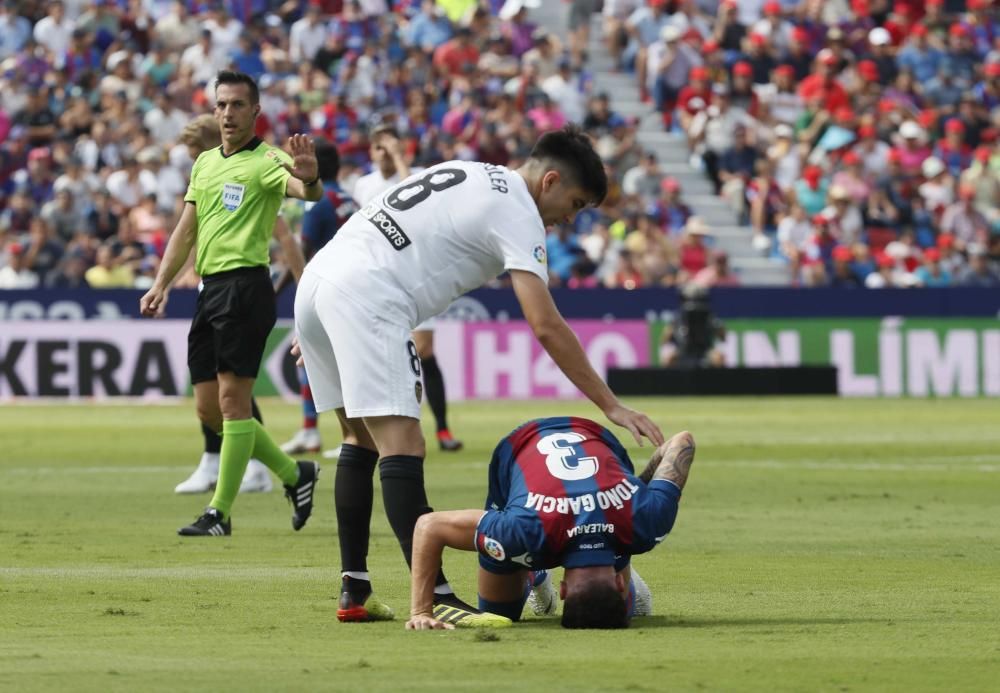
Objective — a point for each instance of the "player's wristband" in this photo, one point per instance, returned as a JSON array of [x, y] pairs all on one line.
[[313, 182]]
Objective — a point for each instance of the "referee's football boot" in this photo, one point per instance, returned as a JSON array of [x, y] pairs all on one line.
[[450, 609], [301, 494], [357, 604], [543, 600], [210, 524]]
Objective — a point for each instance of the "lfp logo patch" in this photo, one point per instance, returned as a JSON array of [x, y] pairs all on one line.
[[492, 548], [539, 253], [232, 195]]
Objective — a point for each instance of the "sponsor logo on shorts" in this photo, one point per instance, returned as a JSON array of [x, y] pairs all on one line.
[[418, 390], [386, 225], [232, 195], [492, 548], [539, 253]]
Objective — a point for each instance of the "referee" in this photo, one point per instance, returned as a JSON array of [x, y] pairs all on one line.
[[230, 209]]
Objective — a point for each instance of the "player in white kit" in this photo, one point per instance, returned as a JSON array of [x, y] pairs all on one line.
[[400, 260], [391, 167]]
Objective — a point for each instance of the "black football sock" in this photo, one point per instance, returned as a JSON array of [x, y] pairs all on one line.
[[353, 493], [434, 384], [213, 442], [405, 499]]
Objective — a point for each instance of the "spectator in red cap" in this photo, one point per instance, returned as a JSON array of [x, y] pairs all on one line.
[[759, 60], [930, 273], [951, 259], [987, 92], [851, 177], [775, 27], [695, 97], [822, 83], [886, 274], [961, 60], [16, 274], [811, 190], [980, 176], [779, 98], [899, 22], [799, 54], [953, 150], [742, 92], [963, 221], [842, 275], [728, 32], [671, 211]]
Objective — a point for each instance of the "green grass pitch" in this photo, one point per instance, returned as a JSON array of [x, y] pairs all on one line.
[[822, 545]]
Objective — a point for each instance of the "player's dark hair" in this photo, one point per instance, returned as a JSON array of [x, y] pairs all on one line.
[[383, 129], [595, 605], [570, 150], [234, 77], [328, 158]]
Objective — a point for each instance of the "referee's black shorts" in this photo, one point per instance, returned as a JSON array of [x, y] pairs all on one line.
[[235, 313]]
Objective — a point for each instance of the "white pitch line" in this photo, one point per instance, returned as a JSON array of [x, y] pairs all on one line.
[[819, 465], [151, 469], [173, 573]]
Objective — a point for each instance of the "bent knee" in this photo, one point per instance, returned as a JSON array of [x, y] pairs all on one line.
[[683, 439]]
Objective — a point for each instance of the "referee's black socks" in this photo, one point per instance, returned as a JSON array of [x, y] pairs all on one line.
[[405, 499], [353, 494]]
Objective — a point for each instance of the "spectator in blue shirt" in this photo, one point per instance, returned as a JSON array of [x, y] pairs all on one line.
[[429, 28], [919, 57]]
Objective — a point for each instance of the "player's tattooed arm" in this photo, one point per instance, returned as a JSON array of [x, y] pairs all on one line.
[[671, 461]]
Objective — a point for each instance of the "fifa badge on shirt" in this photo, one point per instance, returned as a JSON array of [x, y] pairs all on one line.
[[232, 195]]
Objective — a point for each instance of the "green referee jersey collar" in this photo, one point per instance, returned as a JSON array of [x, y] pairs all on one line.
[[248, 147]]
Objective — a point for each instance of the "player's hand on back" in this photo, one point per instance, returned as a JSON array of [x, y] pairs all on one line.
[[638, 424], [427, 622], [304, 165], [297, 353]]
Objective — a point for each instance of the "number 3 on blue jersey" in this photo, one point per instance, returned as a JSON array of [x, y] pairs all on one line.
[[562, 458]]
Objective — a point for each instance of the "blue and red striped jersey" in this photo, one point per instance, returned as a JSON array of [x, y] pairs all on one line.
[[325, 217], [562, 491]]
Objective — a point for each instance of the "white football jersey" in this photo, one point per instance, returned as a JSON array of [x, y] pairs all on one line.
[[371, 185], [433, 237]]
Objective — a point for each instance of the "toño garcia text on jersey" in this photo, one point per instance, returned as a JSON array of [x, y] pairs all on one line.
[[616, 497], [386, 225]]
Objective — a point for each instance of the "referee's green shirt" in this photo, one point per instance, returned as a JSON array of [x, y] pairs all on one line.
[[237, 198]]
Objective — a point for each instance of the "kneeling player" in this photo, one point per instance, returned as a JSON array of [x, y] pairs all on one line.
[[562, 492]]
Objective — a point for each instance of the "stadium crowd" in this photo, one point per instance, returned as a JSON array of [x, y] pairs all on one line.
[[858, 140]]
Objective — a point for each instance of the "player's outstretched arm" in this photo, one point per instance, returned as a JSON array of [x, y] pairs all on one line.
[[671, 461], [561, 343], [304, 183], [434, 531], [182, 240]]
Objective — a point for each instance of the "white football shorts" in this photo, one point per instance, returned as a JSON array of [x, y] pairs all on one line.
[[355, 359]]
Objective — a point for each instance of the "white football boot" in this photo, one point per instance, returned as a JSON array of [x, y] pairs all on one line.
[[203, 479], [256, 479], [643, 597], [543, 600], [305, 440]]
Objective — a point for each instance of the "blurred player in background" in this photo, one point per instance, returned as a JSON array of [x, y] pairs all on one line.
[[562, 492], [198, 135], [400, 260], [391, 167], [319, 225], [229, 213]]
